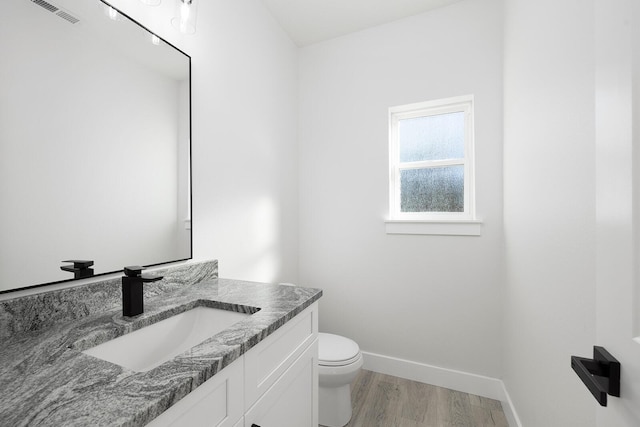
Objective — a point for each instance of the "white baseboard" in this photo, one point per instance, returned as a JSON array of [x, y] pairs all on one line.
[[510, 410], [479, 385]]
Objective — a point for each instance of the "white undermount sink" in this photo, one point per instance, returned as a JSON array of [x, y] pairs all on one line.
[[155, 344]]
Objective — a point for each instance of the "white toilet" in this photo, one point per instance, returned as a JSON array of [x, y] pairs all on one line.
[[339, 361]]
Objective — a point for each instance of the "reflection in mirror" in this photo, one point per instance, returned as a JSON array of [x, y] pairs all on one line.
[[94, 143]]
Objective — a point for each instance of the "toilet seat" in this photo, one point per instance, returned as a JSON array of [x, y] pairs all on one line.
[[335, 350]]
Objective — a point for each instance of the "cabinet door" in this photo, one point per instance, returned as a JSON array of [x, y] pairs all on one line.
[[292, 401], [270, 358], [216, 403]]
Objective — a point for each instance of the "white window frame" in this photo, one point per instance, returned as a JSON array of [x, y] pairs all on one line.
[[465, 222]]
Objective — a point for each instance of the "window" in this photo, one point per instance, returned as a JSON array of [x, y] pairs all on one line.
[[431, 161]]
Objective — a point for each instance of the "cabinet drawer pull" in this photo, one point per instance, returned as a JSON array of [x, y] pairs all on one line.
[[255, 425]]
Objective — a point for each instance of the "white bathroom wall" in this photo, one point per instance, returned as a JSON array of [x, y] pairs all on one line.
[[244, 101], [429, 299], [549, 177]]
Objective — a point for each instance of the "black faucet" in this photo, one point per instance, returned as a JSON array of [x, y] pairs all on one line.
[[132, 301], [80, 268]]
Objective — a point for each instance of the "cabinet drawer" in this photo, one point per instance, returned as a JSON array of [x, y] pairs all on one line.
[[268, 360], [216, 403], [292, 401]]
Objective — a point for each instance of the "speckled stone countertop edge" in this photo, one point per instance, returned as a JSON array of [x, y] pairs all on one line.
[[49, 381]]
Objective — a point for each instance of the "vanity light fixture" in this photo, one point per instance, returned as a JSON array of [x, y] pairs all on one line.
[[185, 16]]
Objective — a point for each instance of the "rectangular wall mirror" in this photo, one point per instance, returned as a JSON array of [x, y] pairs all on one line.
[[95, 134]]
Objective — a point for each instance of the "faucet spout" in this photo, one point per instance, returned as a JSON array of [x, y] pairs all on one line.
[[132, 295]]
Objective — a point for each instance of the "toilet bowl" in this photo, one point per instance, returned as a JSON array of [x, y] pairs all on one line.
[[339, 361]]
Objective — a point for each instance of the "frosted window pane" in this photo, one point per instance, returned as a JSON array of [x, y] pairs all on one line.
[[432, 190], [432, 138]]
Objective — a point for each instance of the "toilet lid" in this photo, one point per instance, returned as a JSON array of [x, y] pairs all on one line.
[[334, 350]]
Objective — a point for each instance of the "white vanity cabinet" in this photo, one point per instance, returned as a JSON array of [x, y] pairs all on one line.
[[218, 402], [281, 376], [274, 384], [292, 401]]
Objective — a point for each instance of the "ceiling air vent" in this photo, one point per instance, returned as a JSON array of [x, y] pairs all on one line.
[[64, 15], [48, 6], [57, 11]]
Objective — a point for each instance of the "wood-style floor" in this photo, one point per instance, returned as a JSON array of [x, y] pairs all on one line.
[[384, 401]]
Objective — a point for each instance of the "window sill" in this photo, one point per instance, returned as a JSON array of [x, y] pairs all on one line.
[[434, 227]]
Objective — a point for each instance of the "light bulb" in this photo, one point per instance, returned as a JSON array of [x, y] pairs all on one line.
[[185, 16], [184, 12], [113, 14]]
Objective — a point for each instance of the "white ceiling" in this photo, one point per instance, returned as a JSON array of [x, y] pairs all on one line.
[[311, 21]]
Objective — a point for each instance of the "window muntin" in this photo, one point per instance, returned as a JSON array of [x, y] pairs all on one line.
[[431, 160]]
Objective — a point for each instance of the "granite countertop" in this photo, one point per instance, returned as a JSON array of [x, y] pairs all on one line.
[[47, 380]]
